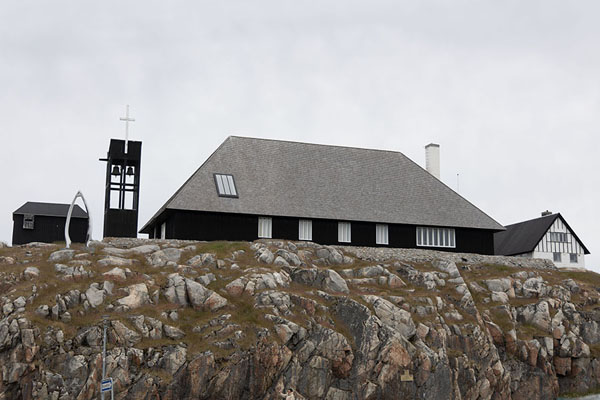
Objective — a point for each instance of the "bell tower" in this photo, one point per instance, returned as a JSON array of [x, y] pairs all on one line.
[[122, 190]]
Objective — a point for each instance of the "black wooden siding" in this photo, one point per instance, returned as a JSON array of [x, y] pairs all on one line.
[[196, 225], [120, 223], [48, 230]]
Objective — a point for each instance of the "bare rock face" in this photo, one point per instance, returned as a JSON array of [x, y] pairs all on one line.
[[327, 279], [184, 292], [396, 317], [335, 323]]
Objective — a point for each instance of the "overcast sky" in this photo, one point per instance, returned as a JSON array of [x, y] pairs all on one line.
[[509, 89]]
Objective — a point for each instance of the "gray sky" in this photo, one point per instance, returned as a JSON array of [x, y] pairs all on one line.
[[510, 89]]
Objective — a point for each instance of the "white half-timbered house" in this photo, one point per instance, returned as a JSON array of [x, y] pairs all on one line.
[[549, 236]]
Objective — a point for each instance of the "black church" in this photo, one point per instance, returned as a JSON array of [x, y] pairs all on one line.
[[258, 188]]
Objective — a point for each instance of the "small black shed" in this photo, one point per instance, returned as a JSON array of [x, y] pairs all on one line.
[[45, 222]]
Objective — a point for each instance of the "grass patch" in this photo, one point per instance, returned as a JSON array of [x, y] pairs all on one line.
[[575, 395], [581, 277], [526, 331], [595, 350], [222, 249], [501, 318], [164, 376]]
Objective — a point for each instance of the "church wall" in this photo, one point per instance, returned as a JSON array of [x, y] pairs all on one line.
[[195, 225]]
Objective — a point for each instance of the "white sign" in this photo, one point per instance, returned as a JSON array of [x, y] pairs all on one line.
[[107, 385]]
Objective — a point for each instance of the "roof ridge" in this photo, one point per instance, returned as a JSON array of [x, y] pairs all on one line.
[[555, 215], [317, 144]]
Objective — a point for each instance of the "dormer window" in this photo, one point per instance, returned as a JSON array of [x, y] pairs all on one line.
[[225, 185]]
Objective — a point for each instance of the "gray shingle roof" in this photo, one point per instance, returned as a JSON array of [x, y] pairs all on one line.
[[281, 178], [50, 210], [523, 237]]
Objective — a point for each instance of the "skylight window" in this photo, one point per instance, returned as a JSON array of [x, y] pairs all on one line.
[[225, 185]]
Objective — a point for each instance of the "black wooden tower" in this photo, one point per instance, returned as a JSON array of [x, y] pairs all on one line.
[[122, 192]]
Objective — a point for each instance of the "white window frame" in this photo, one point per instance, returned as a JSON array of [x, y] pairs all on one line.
[[428, 236], [573, 258], [265, 227], [225, 185], [382, 234], [556, 256], [305, 229], [163, 230], [344, 232], [28, 221]]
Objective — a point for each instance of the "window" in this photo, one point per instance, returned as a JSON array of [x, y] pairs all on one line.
[[265, 227], [163, 230], [381, 234], [344, 232], [28, 221], [573, 257], [305, 229], [556, 257], [560, 237], [436, 237], [225, 185]]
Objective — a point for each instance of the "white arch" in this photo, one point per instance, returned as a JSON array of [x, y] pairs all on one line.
[[89, 232]]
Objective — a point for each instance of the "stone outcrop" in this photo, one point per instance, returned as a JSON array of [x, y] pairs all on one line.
[[193, 320]]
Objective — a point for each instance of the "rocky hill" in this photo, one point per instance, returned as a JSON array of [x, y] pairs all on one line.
[[221, 320]]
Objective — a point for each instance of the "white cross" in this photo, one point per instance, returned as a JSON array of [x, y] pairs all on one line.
[[127, 120]]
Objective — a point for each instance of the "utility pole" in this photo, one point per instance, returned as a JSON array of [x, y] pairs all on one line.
[[105, 319]]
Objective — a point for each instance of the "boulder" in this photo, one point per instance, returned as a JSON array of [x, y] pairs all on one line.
[[138, 296], [326, 279], [160, 258], [115, 273], [43, 310], [7, 260], [172, 332], [236, 288], [196, 292], [498, 285], [31, 273], [145, 249], [61, 256], [534, 287], [332, 281], [500, 297], [203, 260], [175, 291], [116, 261], [95, 296], [123, 335], [265, 256]]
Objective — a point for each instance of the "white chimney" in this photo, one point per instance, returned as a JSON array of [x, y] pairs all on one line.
[[432, 159]]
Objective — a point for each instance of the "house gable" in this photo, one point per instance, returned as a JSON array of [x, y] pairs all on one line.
[[534, 235], [560, 238]]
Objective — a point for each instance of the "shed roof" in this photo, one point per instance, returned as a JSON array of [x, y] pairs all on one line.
[[523, 237], [282, 178], [50, 210]]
